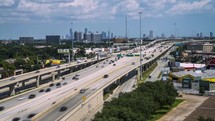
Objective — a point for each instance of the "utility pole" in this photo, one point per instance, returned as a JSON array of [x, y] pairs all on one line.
[[72, 43], [126, 29], [140, 48]]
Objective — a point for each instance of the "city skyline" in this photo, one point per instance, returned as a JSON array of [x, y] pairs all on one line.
[[38, 18]]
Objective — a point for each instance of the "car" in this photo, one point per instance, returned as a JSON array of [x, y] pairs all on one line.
[[1, 108], [51, 85], [65, 83], [75, 78], [12, 78], [105, 76], [114, 64], [82, 90], [42, 90], [58, 84], [63, 78], [133, 63], [63, 108], [97, 66], [31, 96], [16, 119], [58, 66], [37, 71], [21, 98], [149, 76], [77, 75], [31, 115], [104, 63], [102, 66], [48, 90]]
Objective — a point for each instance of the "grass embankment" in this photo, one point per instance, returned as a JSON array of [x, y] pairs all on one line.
[[147, 73], [165, 110]]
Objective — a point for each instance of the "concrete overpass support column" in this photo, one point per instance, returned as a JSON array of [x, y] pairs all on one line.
[[38, 81], [12, 90], [58, 74], [23, 84], [70, 70], [53, 76], [138, 73]]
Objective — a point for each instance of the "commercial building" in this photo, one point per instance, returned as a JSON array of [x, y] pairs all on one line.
[[211, 35], [96, 37], [78, 36], [26, 40], [87, 37], [195, 47], [119, 40], [150, 34], [195, 79], [207, 47], [53, 39]]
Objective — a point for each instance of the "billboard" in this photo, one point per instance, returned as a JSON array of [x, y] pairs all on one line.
[[63, 51]]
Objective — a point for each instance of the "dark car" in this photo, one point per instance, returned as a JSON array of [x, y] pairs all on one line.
[[82, 90], [63, 108], [114, 64], [48, 90], [37, 71], [105, 76], [75, 78], [31, 96]]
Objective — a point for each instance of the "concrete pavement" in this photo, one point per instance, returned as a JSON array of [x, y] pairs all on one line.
[[184, 109]]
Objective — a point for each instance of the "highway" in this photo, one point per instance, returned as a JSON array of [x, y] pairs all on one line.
[[92, 79], [29, 75], [126, 62], [68, 79]]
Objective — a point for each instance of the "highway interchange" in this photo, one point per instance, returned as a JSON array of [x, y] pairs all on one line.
[[67, 92]]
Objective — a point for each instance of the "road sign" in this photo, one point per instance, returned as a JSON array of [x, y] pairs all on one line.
[[63, 51]]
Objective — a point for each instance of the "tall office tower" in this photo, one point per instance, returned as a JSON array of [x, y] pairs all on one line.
[[85, 30], [53, 39], [108, 34], [197, 35], [104, 36], [144, 36], [71, 33], [211, 35], [111, 35], [162, 35], [78, 36], [201, 35], [97, 37], [150, 34]]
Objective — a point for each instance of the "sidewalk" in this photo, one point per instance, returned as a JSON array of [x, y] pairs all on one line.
[[184, 109]]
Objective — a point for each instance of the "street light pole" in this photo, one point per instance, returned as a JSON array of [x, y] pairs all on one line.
[[140, 48], [72, 43]]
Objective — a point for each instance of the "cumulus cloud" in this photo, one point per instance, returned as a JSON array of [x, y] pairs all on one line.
[[6, 3], [185, 7], [52, 10]]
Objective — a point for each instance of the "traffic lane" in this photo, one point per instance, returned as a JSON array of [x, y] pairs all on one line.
[[53, 115], [70, 104], [23, 98], [46, 97], [42, 71]]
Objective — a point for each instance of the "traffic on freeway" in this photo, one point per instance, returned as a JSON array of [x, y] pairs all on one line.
[[31, 104]]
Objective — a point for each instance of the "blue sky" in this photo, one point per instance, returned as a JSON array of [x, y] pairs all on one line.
[[38, 18]]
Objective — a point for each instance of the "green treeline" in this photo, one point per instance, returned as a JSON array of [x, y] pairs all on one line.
[[140, 104]]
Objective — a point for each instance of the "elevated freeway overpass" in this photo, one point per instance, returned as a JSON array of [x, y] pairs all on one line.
[[38, 77], [79, 105]]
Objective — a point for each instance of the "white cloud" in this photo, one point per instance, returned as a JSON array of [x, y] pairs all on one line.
[[185, 7], [6, 3], [55, 10]]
